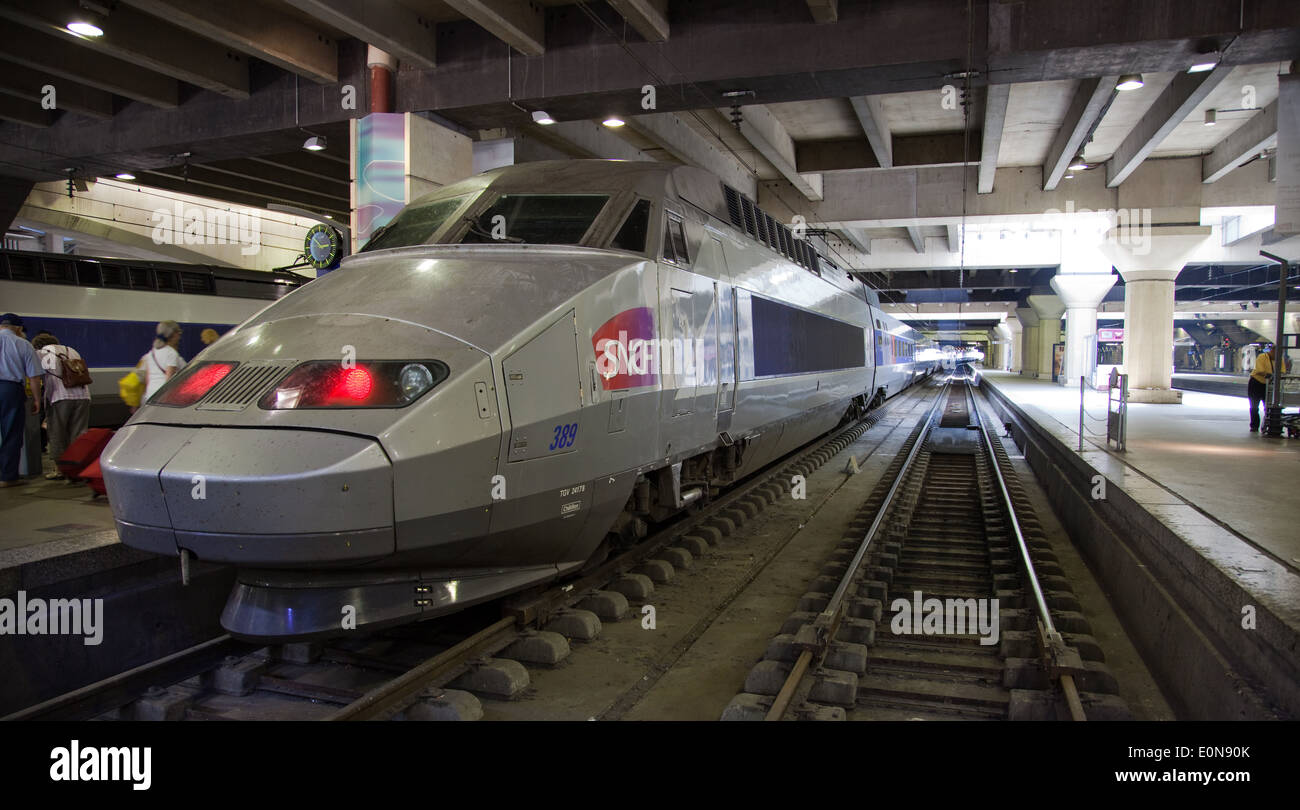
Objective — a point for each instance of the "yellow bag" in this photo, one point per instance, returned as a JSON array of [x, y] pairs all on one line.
[[131, 389]]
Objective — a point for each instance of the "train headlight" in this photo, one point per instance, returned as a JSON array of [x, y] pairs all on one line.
[[364, 384], [415, 379]]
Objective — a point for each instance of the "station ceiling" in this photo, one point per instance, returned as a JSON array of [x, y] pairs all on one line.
[[217, 98]]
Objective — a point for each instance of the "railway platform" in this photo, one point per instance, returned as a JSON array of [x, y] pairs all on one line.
[[1229, 385], [1192, 529]]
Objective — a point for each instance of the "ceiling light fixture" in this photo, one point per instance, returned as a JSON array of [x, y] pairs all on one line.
[[613, 122], [1211, 117], [1069, 177], [1129, 81], [1204, 62], [1078, 164], [84, 28], [315, 143], [540, 117], [124, 176]]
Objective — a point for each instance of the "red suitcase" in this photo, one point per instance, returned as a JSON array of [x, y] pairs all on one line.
[[83, 451], [92, 476]]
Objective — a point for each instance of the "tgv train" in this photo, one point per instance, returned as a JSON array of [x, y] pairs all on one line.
[[519, 372]]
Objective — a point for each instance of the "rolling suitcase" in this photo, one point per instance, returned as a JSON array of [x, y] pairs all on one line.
[[84, 451], [94, 478]]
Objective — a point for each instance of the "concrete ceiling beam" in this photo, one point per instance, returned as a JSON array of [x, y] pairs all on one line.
[[690, 147], [256, 29], [64, 60], [843, 154], [1089, 99], [918, 242], [871, 116], [522, 26], [648, 17], [141, 40], [858, 239], [1246, 142], [23, 82], [24, 112], [768, 135], [824, 11], [995, 117], [386, 24], [587, 139], [1171, 108]]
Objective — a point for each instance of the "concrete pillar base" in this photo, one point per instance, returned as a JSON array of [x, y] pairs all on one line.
[[1160, 396]]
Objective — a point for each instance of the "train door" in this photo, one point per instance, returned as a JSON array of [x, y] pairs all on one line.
[[679, 356], [724, 332], [543, 389]]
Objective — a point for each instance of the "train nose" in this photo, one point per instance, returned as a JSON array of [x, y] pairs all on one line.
[[265, 497]]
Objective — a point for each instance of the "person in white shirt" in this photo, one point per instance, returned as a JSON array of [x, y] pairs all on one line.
[[68, 414], [163, 360]]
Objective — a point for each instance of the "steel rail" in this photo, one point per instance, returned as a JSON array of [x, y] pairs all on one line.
[[388, 699], [829, 618], [1040, 601]]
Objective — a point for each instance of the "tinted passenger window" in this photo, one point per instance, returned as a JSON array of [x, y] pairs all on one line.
[[632, 235]]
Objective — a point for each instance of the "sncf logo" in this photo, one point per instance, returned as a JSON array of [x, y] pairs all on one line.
[[626, 350]]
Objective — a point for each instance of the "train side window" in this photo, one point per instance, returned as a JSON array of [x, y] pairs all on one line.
[[675, 241], [631, 236]]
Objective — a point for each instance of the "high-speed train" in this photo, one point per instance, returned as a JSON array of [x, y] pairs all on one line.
[[518, 372]]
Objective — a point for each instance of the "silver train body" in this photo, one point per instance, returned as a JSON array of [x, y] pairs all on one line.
[[550, 433]]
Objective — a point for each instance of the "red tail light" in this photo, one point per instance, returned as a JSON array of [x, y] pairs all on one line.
[[191, 384], [368, 384]]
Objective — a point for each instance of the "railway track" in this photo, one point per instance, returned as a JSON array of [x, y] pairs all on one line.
[[435, 669], [945, 603]]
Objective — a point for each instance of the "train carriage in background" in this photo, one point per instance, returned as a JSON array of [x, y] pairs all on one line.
[[519, 372], [108, 309]]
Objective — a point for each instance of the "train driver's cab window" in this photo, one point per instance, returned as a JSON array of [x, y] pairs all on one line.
[[675, 240], [537, 219], [631, 236], [415, 224]]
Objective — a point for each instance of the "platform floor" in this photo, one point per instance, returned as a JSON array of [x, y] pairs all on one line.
[[1231, 385], [1201, 450], [47, 518]]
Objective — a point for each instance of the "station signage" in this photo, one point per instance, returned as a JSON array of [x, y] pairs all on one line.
[[1110, 335]]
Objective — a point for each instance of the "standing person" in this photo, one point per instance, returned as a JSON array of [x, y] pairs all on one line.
[[18, 366], [68, 414], [163, 360], [1257, 386]]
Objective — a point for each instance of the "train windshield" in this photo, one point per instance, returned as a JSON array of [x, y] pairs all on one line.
[[415, 224], [539, 219]]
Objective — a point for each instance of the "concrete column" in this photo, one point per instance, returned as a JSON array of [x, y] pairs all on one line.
[[1149, 267], [1014, 348], [1049, 309], [1149, 335], [396, 158], [1028, 341], [1081, 293]]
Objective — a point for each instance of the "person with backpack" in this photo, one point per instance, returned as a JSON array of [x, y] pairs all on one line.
[[163, 360], [67, 391]]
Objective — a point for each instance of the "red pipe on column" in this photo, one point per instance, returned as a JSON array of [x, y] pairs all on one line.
[[381, 66]]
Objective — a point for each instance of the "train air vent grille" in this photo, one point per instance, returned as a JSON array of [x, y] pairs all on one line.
[[733, 206], [244, 385], [748, 209]]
